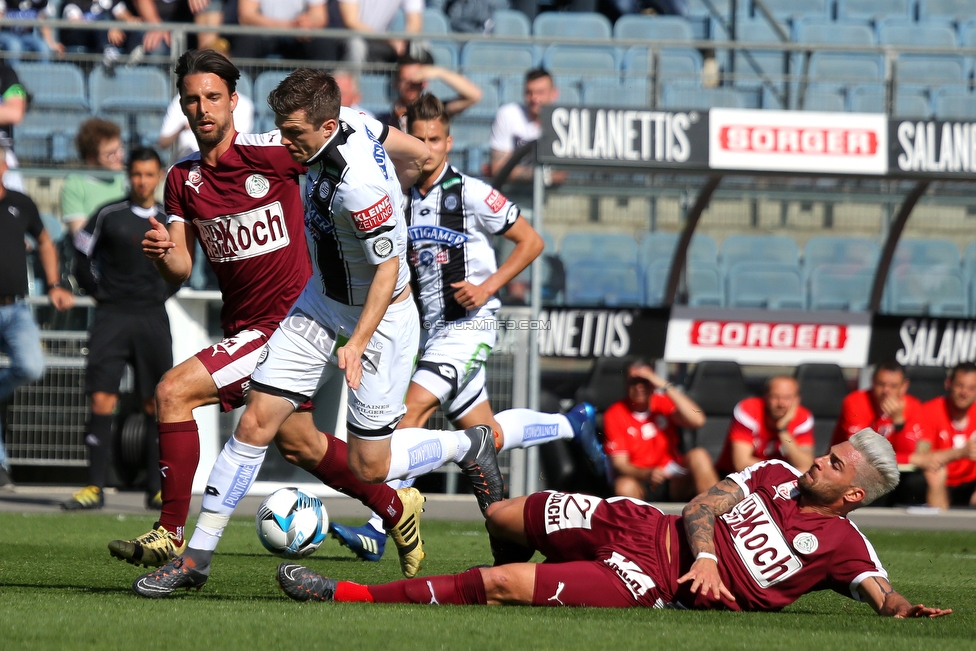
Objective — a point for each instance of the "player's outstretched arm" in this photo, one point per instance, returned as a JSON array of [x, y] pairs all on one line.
[[408, 155], [888, 603], [169, 249], [528, 246], [378, 299], [699, 522]]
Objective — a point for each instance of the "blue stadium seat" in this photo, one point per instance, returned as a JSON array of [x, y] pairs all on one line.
[[268, 80], [375, 90], [683, 96], [702, 281], [923, 251], [674, 63], [969, 261], [930, 70], [631, 93], [814, 30], [245, 86], [497, 57], [957, 10], [753, 64], [758, 248], [445, 54], [509, 22], [874, 10], [572, 24], [602, 282], [116, 92], [841, 68], [487, 106], [578, 60], [435, 22], [954, 104], [653, 28], [49, 135], [904, 31], [909, 102], [938, 290], [824, 98], [841, 287], [791, 9], [659, 245], [769, 285], [466, 133], [836, 250], [598, 246], [53, 85]]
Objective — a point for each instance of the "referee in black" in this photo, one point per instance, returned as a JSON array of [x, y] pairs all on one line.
[[130, 324]]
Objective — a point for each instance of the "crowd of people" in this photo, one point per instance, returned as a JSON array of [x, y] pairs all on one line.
[[385, 252]]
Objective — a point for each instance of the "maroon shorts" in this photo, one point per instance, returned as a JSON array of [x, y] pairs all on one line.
[[604, 553], [230, 363]]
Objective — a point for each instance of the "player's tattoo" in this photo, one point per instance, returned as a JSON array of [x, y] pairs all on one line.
[[886, 589], [699, 516]]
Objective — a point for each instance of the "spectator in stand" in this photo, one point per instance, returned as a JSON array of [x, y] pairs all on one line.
[[176, 128], [950, 422], [111, 42], [775, 426], [281, 14], [411, 80], [888, 409], [17, 40], [201, 12], [130, 324], [99, 144], [13, 106], [376, 16], [644, 444], [19, 336], [517, 124]]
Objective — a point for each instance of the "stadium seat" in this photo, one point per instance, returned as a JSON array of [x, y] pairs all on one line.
[[770, 285], [938, 290], [824, 98], [835, 250], [822, 31], [599, 246], [953, 104], [509, 22], [716, 387], [572, 24], [605, 384], [791, 9], [268, 80], [909, 102], [602, 281], [53, 85], [922, 251], [245, 86], [926, 382], [683, 96], [630, 93], [705, 285], [435, 22], [874, 10], [375, 90], [822, 390], [759, 248], [655, 282], [838, 68], [956, 10], [841, 287], [660, 245], [752, 65], [930, 70], [497, 57], [969, 261], [673, 64], [653, 28], [580, 60], [49, 134], [445, 54], [904, 31], [115, 93]]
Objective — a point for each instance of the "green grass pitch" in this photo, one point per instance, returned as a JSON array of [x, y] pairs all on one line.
[[59, 589]]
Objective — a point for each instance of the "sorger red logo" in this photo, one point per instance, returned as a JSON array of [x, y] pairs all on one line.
[[495, 200], [378, 213], [762, 334], [773, 139]]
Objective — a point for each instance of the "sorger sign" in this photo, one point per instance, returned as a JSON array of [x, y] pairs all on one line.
[[798, 141], [767, 337]]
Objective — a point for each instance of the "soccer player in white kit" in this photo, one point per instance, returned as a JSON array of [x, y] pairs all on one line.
[[451, 220], [354, 316]]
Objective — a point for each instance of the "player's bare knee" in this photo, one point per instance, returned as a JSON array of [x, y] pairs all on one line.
[[503, 585]]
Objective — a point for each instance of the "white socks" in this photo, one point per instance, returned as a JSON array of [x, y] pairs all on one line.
[[415, 451], [524, 428], [231, 478]]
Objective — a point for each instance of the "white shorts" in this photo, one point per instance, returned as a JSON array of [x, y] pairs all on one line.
[[452, 363], [301, 357]]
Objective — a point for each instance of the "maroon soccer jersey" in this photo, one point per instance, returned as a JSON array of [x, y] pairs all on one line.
[[770, 553], [247, 214]]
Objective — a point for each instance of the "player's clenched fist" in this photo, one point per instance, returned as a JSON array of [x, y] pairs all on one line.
[[156, 243]]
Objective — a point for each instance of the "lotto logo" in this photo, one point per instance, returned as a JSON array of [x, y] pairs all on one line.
[[495, 200], [378, 213]]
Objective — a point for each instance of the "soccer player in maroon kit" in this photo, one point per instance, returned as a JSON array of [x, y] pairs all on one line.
[[756, 541], [950, 421], [239, 196]]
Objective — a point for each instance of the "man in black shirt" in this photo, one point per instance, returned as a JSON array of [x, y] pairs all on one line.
[[19, 336], [130, 324]]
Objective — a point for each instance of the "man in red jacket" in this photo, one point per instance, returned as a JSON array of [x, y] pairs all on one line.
[[888, 409]]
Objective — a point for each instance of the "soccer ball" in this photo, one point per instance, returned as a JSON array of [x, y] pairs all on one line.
[[291, 524]]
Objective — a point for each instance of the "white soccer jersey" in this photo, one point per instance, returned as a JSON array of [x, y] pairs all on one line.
[[450, 233], [353, 211]]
